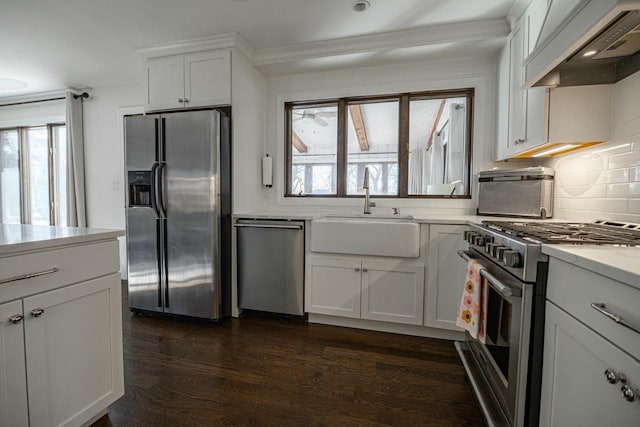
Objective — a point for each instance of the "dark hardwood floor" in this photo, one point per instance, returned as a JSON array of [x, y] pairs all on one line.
[[260, 371]]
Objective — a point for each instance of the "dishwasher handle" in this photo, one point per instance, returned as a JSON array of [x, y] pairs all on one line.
[[289, 227]]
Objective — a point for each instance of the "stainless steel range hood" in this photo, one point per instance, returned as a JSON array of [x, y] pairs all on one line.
[[596, 42]]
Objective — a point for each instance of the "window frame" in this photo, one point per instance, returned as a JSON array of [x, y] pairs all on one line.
[[24, 167], [404, 100]]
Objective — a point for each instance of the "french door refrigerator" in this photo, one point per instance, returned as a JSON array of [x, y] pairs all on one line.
[[178, 212]]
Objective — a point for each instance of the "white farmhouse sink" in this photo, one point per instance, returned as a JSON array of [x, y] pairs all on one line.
[[395, 236]]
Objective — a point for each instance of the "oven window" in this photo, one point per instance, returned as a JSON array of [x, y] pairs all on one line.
[[499, 321]]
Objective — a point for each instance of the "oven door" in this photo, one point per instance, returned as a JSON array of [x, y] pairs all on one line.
[[499, 357]]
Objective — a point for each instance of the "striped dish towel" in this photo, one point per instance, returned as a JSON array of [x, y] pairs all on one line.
[[473, 305]]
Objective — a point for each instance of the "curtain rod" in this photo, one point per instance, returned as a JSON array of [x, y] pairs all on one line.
[[83, 95]]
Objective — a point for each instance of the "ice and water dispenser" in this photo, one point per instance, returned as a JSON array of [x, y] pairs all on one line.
[[140, 187]]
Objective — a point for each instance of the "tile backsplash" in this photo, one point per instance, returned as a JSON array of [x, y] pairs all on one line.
[[603, 181]]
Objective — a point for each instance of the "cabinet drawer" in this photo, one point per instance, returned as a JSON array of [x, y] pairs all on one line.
[[74, 264], [574, 289]]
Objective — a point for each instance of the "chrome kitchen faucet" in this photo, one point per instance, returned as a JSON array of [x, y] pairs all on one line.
[[368, 204]]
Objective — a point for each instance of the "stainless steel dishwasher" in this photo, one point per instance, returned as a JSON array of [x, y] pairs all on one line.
[[271, 265]]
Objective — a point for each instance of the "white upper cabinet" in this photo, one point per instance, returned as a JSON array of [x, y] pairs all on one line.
[[192, 80], [525, 108], [164, 83], [529, 118], [207, 79]]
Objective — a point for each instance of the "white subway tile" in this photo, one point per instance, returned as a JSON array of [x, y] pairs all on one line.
[[632, 158], [631, 189], [607, 205], [634, 174], [582, 191], [634, 206], [609, 176]]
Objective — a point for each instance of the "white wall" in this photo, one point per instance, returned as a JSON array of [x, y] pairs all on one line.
[[603, 182], [479, 73], [38, 113], [248, 92], [104, 157]]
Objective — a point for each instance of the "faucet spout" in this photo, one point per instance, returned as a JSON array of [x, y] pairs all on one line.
[[368, 204]]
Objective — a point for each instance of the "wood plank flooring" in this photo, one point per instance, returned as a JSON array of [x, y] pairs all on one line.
[[257, 371]]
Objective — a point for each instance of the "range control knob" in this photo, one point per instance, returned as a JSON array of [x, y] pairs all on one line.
[[499, 252], [470, 236], [490, 248], [478, 240], [512, 259]]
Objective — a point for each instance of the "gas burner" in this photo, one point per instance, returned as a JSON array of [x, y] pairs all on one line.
[[595, 233]]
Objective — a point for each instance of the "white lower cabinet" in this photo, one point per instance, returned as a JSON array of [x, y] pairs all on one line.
[[445, 275], [334, 288], [386, 291], [393, 292], [73, 343], [13, 379], [575, 391]]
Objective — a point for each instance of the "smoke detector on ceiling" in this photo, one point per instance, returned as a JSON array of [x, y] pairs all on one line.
[[361, 5]]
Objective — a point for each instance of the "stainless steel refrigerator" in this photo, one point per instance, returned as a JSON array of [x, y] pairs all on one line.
[[178, 212]]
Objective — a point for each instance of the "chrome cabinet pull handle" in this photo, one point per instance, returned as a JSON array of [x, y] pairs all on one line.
[[602, 309], [356, 269], [37, 312], [16, 319], [518, 141], [364, 270], [180, 100], [30, 275], [614, 377], [186, 100]]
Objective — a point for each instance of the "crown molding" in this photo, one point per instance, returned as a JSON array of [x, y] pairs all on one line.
[[220, 41], [425, 36]]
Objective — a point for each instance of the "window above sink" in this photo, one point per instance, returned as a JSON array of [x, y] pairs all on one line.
[[415, 145]]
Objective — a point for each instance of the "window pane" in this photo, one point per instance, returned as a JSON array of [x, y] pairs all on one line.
[[438, 159], [37, 142], [373, 143], [314, 149], [9, 177], [60, 173]]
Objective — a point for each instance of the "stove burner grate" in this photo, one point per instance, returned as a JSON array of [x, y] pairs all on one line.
[[595, 233]]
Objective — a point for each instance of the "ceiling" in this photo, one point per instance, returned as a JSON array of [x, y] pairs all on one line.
[[53, 44]]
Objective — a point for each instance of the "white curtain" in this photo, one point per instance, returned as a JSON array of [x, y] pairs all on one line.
[[456, 145], [416, 164], [76, 203], [437, 160]]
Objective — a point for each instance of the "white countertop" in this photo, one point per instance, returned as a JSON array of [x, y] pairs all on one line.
[[617, 263], [23, 237]]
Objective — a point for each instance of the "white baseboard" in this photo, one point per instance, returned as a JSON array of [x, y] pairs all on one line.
[[395, 328]]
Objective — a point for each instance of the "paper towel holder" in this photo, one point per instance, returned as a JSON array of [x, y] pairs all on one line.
[[267, 171]]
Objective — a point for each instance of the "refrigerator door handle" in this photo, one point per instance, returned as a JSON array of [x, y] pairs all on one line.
[[165, 265], [159, 256], [161, 196], [154, 189]]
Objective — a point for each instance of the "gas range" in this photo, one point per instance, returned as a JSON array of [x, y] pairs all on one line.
[[516, 246]]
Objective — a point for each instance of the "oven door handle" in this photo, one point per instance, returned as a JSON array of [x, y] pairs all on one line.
[[501, 288]]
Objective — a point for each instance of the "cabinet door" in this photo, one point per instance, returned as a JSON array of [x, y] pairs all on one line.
[[164, 83], [445, 275], [502, 121], [73, 341], [575, 391], [334, 288], [393, 292], [207, 79], [13, 379], [517, 96], [535, 15]]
